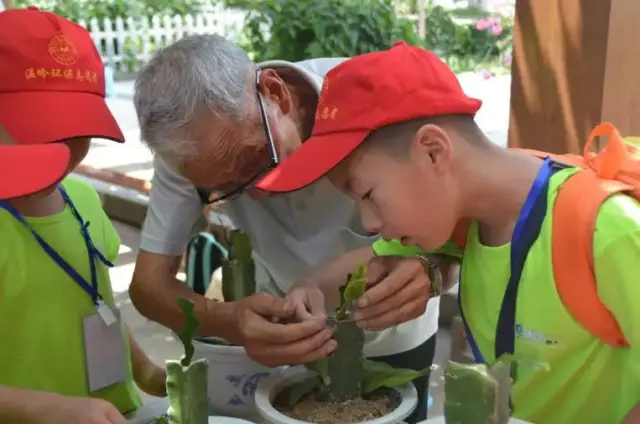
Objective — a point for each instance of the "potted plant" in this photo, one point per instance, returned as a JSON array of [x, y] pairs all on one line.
[[233, 376], [344, 388], [478, 393], [187, 381]]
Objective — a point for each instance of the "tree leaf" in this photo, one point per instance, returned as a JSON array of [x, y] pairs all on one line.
[[240, 246], [291, 395], [356, 284], [239, 269], [379, 374], [351, 291], [321, 367], [189, 331]]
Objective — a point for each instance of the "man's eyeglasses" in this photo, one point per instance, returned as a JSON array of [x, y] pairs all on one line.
[[217, 198]]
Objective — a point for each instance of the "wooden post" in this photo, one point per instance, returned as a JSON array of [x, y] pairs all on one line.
[[422, 18], [576, 63]]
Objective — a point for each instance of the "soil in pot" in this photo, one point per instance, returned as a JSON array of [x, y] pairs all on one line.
[[369, 407]]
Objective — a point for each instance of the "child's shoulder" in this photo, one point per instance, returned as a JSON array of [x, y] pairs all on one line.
[[81, 192], [618, 216], [78, 186]]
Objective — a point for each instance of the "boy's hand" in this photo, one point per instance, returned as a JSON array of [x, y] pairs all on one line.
[[398, 292], [307, 300], [149, 377], [78, 410], [152, 380]]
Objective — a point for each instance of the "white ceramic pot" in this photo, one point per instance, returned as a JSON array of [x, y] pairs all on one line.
[[227, 420], [233, 378], [440, 420], [269, 388]]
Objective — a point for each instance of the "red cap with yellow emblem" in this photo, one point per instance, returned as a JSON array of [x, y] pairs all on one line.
[[364, 94], [27, 169], [52, 83]]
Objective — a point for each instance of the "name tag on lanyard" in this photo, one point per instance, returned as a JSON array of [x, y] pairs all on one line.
[[525, 234], [103, 340], [104, 350]]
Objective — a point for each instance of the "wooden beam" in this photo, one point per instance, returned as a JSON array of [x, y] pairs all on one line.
[[575, 64]]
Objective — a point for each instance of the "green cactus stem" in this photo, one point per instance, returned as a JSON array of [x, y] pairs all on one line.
[[187, 379], [239, 269], [344, 367], [477, 393], [346, 374]]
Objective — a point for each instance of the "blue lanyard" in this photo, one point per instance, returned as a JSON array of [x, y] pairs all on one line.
[[93, 252], [525, 233]]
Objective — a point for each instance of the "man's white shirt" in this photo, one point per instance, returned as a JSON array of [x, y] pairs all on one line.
[[291, 233]]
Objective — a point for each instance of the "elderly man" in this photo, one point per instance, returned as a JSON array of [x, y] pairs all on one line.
[[217, 121]]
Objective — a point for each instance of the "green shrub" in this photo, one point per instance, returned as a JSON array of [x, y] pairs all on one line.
[[477, 42], [77, 10], [296, 30]]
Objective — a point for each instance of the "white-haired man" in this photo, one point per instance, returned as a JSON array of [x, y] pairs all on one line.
[[217, 121]]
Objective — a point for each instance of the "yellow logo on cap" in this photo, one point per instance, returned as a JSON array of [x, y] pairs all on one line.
[[325, 87], [62, 50], [324, 112]]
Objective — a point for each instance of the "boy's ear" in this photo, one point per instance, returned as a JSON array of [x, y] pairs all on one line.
[[431, 143]]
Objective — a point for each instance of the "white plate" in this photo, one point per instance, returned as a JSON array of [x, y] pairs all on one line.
[[440, 420]]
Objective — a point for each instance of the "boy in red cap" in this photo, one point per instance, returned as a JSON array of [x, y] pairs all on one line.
[[395, 131], [66, 357]]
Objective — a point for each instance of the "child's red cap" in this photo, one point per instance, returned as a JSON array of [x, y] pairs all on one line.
[[27, 169], [52, 83], [364, 94]]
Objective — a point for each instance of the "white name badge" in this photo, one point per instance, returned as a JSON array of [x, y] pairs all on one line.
[[104, 349]]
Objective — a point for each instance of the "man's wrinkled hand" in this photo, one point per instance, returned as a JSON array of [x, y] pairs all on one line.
[[272, 343], [398, 291]]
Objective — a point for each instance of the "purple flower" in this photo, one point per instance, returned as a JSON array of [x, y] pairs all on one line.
[[486, 74], [496, 29], [483, 24]]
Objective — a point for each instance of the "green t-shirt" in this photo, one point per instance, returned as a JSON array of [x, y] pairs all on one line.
[[42, 308], [566, 375]]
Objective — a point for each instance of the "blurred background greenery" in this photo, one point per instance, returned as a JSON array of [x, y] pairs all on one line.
[[467, 38]]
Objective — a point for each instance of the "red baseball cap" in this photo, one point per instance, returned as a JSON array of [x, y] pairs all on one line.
[[364, 94], [27, 169], [52, 83]]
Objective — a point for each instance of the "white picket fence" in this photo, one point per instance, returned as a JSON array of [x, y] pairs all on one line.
[[127, 43]]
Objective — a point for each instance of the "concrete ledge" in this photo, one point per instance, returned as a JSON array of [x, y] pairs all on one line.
[[121, 203]]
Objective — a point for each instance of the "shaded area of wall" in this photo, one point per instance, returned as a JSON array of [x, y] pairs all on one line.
[[576, 63]]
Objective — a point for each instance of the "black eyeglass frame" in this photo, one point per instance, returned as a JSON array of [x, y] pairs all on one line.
[[271, 147]]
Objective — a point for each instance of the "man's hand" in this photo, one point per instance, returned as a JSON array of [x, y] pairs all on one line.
[[398, 292], [74, 410], [273, 344]]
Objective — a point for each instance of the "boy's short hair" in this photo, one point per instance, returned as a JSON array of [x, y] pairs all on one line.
[[395, 139], [363, 95], [52, 84]]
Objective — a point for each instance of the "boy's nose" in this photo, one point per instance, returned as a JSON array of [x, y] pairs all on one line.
[[370, 222]]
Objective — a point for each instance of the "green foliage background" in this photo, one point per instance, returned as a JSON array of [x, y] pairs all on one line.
[[303, 29]]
